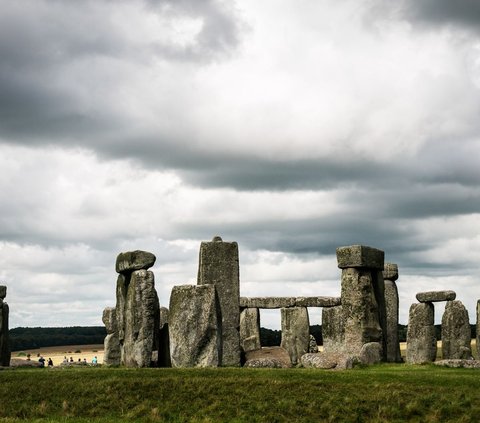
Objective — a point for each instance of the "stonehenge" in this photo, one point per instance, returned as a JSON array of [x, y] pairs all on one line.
[[210, 325], [134, 323], [4, 339]]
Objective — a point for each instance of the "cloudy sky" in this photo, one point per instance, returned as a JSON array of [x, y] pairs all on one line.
[[292, 127]]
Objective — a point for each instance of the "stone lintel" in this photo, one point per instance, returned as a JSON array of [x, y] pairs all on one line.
[[134, 260], [390, 272], [360, 256], [287, 302], [3, 292], [435, 296]]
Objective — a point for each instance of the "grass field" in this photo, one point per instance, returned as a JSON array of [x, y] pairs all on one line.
[[378, 393]]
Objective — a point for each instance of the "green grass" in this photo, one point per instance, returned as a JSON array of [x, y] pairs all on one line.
[[378, 393]]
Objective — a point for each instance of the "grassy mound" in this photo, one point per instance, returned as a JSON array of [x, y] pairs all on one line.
[[377, 393]]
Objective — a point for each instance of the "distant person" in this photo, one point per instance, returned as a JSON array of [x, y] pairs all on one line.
[[50, 362], [71, 359], [41, 360], [65, 360], [28, 357], [94, 361], [79, 361], [85, 361]]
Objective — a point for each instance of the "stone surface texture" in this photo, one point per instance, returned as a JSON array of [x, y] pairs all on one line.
[[195, 326], [142, 313], [360, 256], [111, 343], [421, 340], [318, 361], [218, 265], [435, 296], [5, 354], [164, 339], [265, 362], [284, 302], [371, 353], [295, 332], [250, 329], [390, 272], [134, 260], [333, 329], [478, 328], [459, 363], [363, 307], [456, 332], [121, 293], [393, 354]]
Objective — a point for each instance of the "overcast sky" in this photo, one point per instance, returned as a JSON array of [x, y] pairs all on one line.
[[292, 127]]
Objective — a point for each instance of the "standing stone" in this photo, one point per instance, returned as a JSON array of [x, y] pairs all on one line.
[[295, 332], [421, 340], [250, 329], [121, 293], [4, 338], [218, 265], [164, 340], [390, 275], [478, 328], [312, 345], [142, 312], [333, 329], [195, 326], [456, 335], [363, 297], [111, 344]]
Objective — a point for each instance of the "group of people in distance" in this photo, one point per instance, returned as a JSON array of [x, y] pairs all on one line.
[[66, 361]]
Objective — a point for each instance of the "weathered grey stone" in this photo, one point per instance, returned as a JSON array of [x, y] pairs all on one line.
[[393, 354], [421, 340], [3, 292], [121, 293], [318, 361], [109, 319], [285, 302], [456, 336], [361, 308], [195, 326], [164, 340], [111, 343], [371, 353], [333, 329], [360, 256], [312, 345], [218, 265], [5, 354], [262, 363], [250, 329], [390, 272], [478, 328], [462, 363], [295, 332], [435, 296], [134, 260], [142, 313]]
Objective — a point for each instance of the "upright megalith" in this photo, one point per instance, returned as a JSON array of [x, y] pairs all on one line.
[[333, 329], [164, 339], [421, 339], [362, 297], [295, 332], [218, 265], [142, 314], [195, 326], [390, 275], [4, 339], [250, 329], [456, 336], [137, 309], [478, 328], [111, 355]]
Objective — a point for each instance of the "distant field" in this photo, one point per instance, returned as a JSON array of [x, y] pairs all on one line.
[[57, 353], [381, 393]]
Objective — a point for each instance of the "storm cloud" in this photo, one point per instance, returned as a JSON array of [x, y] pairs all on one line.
[[290, 128]]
